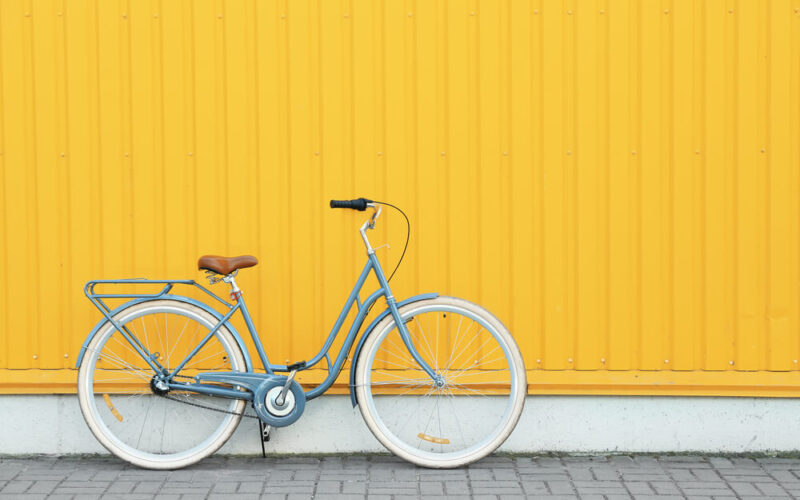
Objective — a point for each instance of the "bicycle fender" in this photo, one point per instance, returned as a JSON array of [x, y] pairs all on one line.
[[368, 331], [180, 298]]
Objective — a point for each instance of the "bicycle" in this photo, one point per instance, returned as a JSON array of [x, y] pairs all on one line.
[[165, 379]]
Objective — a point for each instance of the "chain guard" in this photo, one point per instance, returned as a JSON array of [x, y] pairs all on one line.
[[260, 385]]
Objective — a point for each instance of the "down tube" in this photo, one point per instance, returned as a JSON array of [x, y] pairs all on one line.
[[346, 345], [342, 316]]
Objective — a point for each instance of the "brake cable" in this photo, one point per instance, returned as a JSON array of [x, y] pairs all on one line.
[[405, 247], [408, 235]]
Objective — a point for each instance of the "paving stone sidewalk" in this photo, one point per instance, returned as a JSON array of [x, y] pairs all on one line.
[[384, 477]]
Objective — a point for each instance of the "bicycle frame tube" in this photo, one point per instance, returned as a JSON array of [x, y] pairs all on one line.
[[262, 355], [363, 309], [333, 370], [204, 341]]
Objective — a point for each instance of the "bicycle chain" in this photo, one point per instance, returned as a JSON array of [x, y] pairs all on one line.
[[198, 405], [207, 407]]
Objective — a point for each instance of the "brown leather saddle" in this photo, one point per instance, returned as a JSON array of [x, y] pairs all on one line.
[[225, 265]]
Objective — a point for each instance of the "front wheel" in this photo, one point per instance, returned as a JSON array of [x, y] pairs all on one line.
[[474, 407]]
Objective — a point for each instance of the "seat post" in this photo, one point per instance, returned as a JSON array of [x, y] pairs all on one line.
[[230, 279]]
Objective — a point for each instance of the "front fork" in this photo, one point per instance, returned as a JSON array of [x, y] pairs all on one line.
[[401, 325]]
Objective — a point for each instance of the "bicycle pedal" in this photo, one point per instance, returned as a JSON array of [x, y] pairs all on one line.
[[300, 365], [263, 430]]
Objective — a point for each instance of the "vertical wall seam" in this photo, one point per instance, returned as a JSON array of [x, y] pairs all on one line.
[[381, 27], [767, 337], [97, 198], [605, 159], [347, 112], [315, 124], [223, 112], [65, 232], [794, 54], [190, 129], [734, 168], [566, 181], [445, 62], [416, 91], [478, 146], [574, 173], [127, 126], [413, 155], [316, 296], [540, 180], [699, 47], [321, 159], [509, 178], [160, 139], [259, 219], [669, 149], [193, 129], [4, 361], [349, 47], [289, 162], [32, 201], [634, 59]]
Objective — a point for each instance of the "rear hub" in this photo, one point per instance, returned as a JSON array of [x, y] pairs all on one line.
[[158, 386]]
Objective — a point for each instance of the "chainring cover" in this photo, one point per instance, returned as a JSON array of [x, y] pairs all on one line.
[[272, 414]]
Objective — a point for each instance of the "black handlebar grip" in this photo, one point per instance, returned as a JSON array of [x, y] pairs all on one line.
[[359, 204]]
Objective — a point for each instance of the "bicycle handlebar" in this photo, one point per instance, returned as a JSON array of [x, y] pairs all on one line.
[[359, 204]]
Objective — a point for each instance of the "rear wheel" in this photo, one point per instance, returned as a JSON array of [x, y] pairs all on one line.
[[127, 412], [474, 407]]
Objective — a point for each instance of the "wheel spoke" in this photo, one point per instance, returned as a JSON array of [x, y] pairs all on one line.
[[476, 336], [401, 350], [195, 361], [399, 377], [402, 367], [455, 414], [425, 339], [476, 371], [454, 347], [112, 358]]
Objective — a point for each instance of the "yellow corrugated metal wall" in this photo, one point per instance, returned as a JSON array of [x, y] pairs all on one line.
[[618, 180]]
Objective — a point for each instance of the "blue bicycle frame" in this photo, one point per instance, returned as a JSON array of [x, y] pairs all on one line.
[[333, 371]]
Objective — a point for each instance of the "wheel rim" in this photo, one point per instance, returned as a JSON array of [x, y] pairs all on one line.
[[135, 423], [468, 412]]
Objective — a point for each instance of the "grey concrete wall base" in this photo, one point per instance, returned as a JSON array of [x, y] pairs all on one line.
[[578, 424]]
